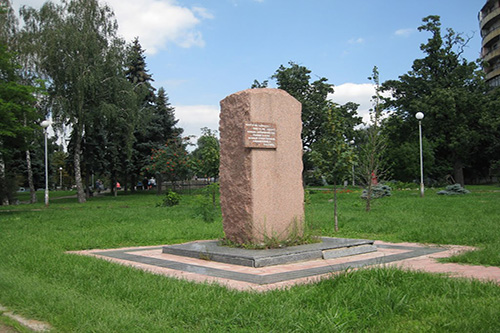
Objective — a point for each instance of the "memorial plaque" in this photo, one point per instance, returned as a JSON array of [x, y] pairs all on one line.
[[260, 135]]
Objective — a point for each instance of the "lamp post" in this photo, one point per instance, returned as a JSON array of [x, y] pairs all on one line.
[[60, 176], [420, 116], [44, 125], [353, 182]]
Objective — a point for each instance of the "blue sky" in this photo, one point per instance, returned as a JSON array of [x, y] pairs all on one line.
[[200, 51]]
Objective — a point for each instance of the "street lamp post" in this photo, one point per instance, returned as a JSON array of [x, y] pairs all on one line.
[[420, 116], [60, 177], [353, 182], [44, 125]]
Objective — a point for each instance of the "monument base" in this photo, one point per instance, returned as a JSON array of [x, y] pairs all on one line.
[[328, 248]]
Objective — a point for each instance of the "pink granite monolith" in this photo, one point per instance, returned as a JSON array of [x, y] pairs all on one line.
[[262, 195]]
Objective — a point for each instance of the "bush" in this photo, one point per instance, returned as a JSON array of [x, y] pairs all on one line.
[[454, 189], [171, 199], [205, 209], [378, 191], [404, 185], [207, 205]]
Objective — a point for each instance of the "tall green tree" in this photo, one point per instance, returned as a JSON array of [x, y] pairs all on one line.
[[163, 125], [450, 91], [137, 73], [17, 121], [171, 161], [74, 40], [156, 117], [296, 80], [8, 25], [207, 154]]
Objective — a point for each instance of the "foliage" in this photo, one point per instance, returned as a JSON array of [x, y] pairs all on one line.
[[8, 25], [331, 154], [372, 145], [18, 120], [156, 123], [170, 199], [378, 191], [207, 204], [172, 161], [78, 49], [313, 95], [207, 155], [398, 185], [450, 91], [454, 189]]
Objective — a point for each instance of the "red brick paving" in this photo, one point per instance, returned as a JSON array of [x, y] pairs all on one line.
[[425, 263]]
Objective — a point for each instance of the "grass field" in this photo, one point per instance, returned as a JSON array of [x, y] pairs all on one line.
[[83, 294]]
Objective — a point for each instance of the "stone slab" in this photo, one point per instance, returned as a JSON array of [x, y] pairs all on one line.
[[407, 256], [329, 247], [348, 251]]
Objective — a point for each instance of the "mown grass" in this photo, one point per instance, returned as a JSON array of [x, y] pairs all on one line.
[[472, 219], [82, 294]]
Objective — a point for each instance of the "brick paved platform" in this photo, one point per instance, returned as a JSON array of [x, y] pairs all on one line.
[[403, 255]]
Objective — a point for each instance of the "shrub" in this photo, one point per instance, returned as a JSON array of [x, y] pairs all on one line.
[[207, 205], [403, 185], [171, 199], [454, 189], [378, 191], [205, 209]]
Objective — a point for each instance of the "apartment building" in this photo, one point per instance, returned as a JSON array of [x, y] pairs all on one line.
[[489, 21]]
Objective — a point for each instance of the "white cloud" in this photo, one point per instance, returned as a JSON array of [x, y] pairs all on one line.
[[356, 40], [157, 23], [203, 13], [358, 93], [404, 32], [194, 117]]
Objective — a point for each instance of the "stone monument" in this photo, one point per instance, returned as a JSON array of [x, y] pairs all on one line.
[[261, 187]]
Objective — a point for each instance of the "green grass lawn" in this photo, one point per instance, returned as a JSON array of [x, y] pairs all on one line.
[[82, 294]]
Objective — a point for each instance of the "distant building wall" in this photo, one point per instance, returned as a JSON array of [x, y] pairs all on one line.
[[489, 22]]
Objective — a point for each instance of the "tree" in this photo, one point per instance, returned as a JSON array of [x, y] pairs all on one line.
[[17, 121], [313, 95], [8, 25], [331, 153], [163, 123], [372, 145], [207, 154], [171, 161], [450, 91], [156, 117], [74, 42]]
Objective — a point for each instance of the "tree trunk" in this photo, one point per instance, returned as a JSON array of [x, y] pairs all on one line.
[[114, 188], [159, 181], [87, 185], [80, 193], [458, 170], [30, 177], [368, 197], [125, 181], [335, 213], [133, 182], [3, 184]]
